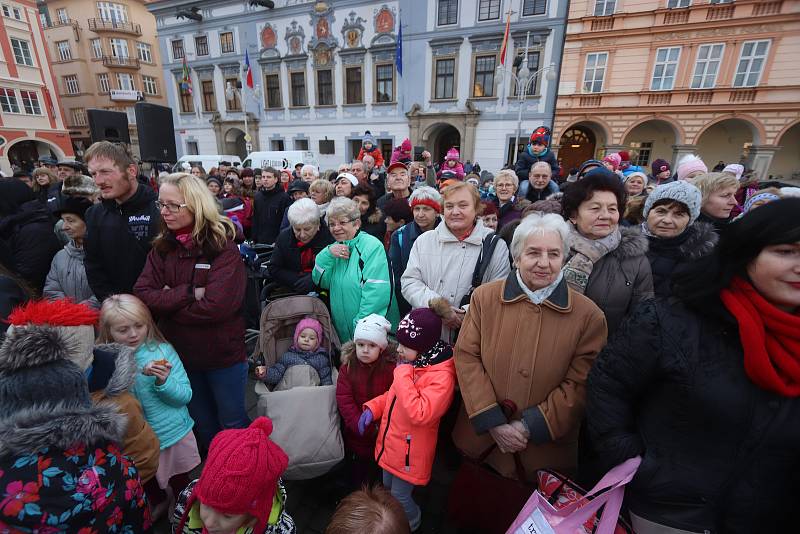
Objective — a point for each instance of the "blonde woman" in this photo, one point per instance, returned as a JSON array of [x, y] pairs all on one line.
[[195, 283], [719, 197]]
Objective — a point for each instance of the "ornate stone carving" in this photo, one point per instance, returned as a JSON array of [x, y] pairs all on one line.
[[353, 30], [384, 22], [295, 36]]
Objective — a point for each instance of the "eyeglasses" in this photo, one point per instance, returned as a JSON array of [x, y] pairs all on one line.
[[171, 206], [502, 185], [333, 224]]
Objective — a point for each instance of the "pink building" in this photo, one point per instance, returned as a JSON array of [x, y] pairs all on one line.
[[663, 78]]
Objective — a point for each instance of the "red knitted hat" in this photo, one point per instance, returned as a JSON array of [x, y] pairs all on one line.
[[241, 472]]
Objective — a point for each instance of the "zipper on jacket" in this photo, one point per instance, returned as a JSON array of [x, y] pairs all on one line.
[[408, 452], [386, 430]]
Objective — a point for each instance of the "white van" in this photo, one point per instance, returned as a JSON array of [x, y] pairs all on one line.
[[207, 161], [280, 159]]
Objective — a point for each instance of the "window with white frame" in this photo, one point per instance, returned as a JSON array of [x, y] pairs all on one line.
[[144, 53], [119, 48], [672, 4], [445, 79], [709, 57], [8, 100], [6, 11], [149, 85], [751, 63], [489, 10], [125, 81], [447, 12], [17, 13], [603, 8], [78, 117], [111, 12], [533, 7], [64, 51], [97, 48], [384, 82], [102, 83], [594, 72], [665, 67], [226, 44], [22, 52], [30, 101], [720, 1], [642, 152], [61, 15], [201, 45], [71, 85], [44, 20], [177, 49]]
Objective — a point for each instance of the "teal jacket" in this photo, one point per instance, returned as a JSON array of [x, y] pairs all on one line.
[[164, 406], [358, 286]]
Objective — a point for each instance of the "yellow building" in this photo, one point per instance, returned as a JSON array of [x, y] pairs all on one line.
[[663, 78], [105, 56]]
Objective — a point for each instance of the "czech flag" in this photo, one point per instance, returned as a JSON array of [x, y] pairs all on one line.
[[249, 70]]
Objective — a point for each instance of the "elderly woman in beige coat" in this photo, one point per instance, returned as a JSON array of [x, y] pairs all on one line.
[[530, 339]]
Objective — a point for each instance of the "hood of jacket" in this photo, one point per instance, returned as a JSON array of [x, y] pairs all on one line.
[[633, 243], [701, 241], [60, 426], [124, 373], [28, 212], [75, 251]]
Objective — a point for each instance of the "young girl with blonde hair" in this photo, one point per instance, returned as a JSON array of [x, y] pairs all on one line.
[[161, 385]]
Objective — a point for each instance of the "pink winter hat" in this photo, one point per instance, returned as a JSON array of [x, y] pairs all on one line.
[[690, 164], [614, 159], [308, 322], [452, 154]]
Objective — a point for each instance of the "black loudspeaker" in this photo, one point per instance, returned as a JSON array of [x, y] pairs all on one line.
[[156, 133], [108, 126]]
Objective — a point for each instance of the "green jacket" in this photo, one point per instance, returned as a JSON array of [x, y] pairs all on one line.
[[359, 285]]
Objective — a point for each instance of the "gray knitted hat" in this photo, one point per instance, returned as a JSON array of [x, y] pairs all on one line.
[[679, 191]]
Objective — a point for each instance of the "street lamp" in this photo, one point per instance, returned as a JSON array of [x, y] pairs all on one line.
[[523, 80], [236, 89]]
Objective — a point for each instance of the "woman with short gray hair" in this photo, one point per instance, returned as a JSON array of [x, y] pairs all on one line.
[[354, 271], [309, 173], [531, 339], [297, 247]]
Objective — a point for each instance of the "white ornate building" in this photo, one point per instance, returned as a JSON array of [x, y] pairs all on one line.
[[325, 72]]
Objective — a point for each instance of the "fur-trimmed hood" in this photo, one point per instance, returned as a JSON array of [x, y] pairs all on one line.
[[60, 426], [632, 244], [701, 241], [124, 373], [348, 352]]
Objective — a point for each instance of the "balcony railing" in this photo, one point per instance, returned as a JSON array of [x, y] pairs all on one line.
[[767, 8], [742, 95], [659, 99], [121, 62], [602, 24], [57, 23], [676, 17], [700, 97], [720, 12], [590, 101], [102, 25]]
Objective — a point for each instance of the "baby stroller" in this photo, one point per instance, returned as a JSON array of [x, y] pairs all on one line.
[[305, 418]]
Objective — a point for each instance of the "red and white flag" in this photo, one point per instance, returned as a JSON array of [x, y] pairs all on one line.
[[505, 39]]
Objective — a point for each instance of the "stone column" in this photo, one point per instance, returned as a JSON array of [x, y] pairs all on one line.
[[678, 151], [760, 158]]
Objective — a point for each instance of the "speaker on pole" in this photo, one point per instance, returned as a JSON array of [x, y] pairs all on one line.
[[107, 125], [156, 133]]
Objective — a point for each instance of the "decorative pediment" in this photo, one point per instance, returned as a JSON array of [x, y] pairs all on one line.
[[384, 22], [353, 31], [322, 20], [295, 39]]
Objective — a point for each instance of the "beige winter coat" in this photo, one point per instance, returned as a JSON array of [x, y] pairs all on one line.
[[441, 266]]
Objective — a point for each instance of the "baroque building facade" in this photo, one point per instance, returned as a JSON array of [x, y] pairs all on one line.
[[326, 72]]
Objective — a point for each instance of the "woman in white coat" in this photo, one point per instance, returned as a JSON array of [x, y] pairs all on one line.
[[442, 261]]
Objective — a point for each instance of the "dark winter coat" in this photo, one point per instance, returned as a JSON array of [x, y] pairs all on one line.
[[118, 238], [526, 161], [718, 224], [372, 223], [284, 265], [29, 236], [511, 211], [268, 209], [720, 454], [529, 193], [207, 333], [399, 251], [317, 359], [621, 279], [358, 383], [12, 294], [668, 256]]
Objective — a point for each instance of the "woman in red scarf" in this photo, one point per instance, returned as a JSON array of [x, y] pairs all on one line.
[[706, 388]]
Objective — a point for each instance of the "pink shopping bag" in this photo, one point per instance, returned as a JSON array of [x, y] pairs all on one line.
[[538, 516]]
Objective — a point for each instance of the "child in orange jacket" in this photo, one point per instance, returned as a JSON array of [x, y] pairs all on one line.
[[369, 146], [421, 393]]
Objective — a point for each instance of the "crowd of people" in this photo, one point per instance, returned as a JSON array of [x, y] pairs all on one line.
[[528, 319]]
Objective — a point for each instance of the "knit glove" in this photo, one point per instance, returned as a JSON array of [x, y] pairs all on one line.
[[364, 421]]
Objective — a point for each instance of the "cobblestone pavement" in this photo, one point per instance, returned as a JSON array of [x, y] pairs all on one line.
[[312, 502]]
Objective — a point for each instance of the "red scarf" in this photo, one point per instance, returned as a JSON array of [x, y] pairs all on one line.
[[307, 257], [770, 339], [184, 236]]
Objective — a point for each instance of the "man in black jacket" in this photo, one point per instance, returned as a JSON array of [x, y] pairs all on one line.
[[270, 204], [120, 229]]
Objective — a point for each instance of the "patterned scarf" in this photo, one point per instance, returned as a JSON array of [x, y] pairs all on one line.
[[585, 253], [439, 353]]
